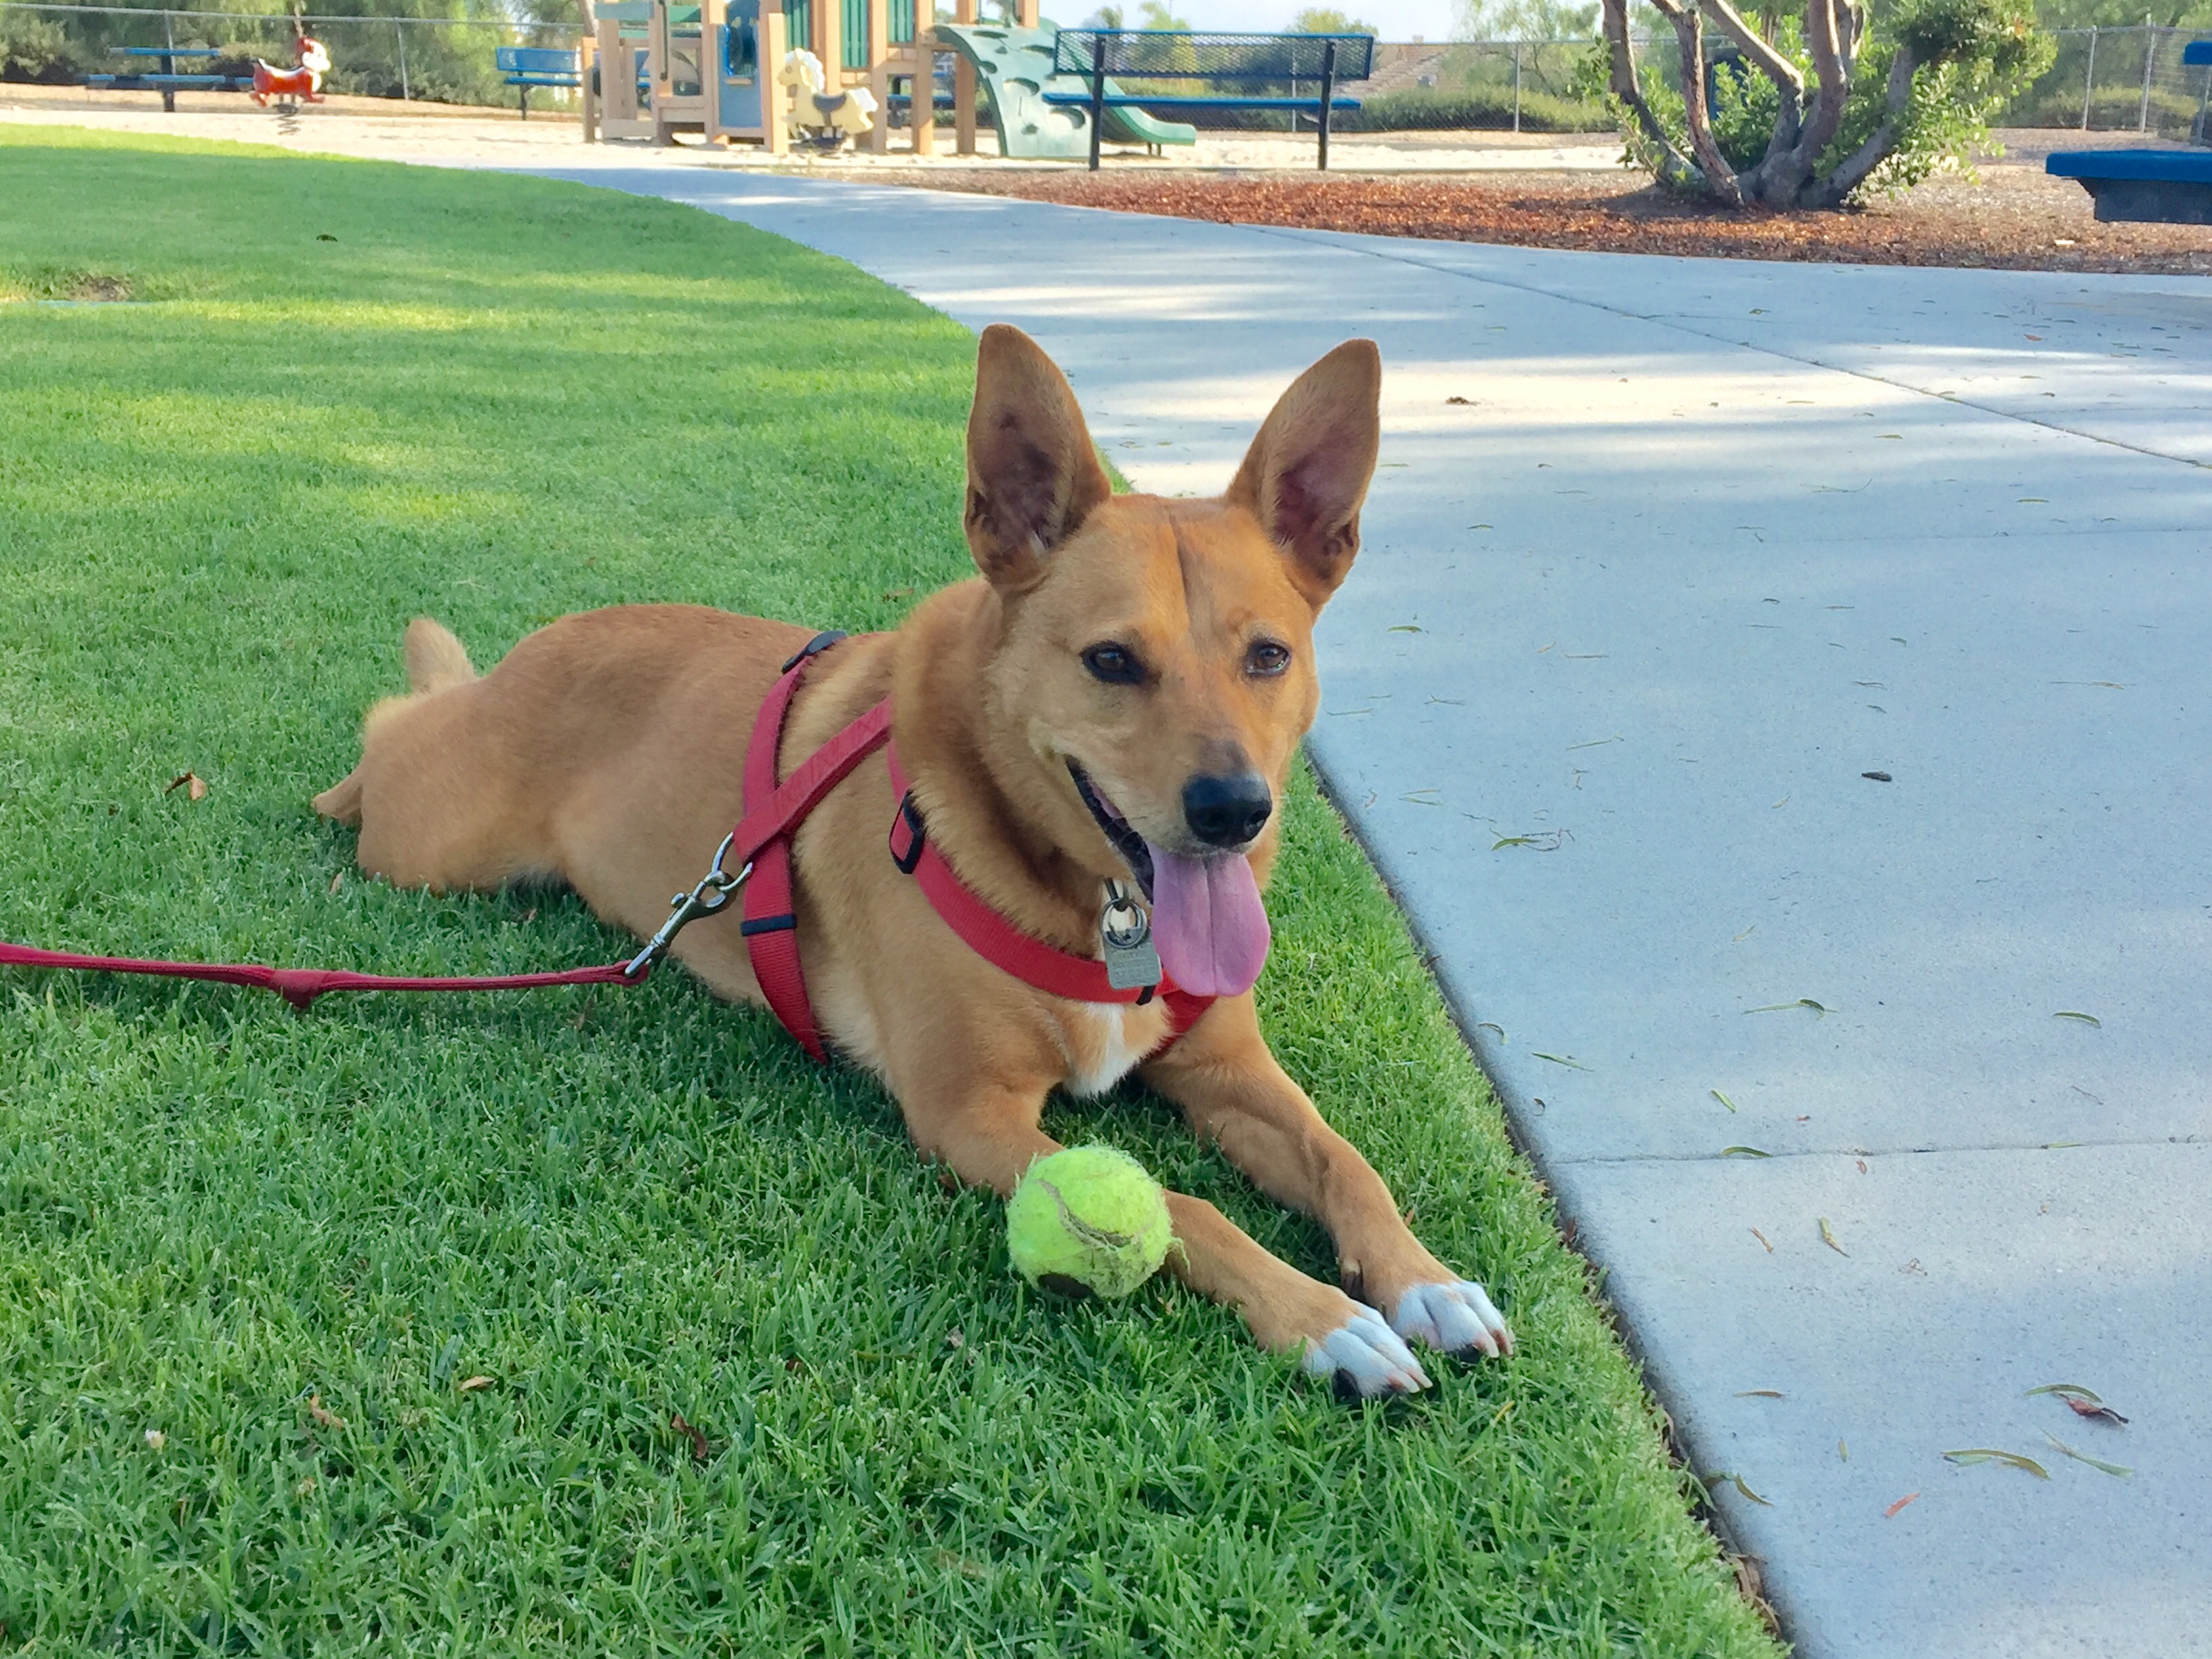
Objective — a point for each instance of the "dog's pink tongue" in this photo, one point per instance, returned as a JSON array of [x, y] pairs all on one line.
[[1208, 922]]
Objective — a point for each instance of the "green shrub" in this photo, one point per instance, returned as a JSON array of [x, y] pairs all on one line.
[[2112, 109], [31, 49], [1445, 109]]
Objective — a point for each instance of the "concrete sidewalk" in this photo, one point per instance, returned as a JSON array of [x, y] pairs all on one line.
[[1781, 696]]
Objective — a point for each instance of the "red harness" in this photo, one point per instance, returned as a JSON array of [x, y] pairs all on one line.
[[761, 845], [770, 925]]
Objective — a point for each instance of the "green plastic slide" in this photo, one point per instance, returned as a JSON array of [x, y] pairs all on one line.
[[1014, 68]]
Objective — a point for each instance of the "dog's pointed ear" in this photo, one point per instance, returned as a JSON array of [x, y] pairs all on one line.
[[1033, 475], [1307, 472]]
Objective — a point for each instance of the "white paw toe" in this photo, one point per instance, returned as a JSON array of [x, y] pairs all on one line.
[[1364, 1358], [1457, 1317]]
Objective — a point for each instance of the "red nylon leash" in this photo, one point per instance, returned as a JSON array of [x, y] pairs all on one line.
[[301, 986], [782, 809]]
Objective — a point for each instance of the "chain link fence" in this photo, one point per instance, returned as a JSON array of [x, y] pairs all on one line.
[[444, 60], [1495, 85], [1499, 86], [2119, 80]]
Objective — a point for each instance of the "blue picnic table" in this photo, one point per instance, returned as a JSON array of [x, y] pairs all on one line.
[[165, 80]]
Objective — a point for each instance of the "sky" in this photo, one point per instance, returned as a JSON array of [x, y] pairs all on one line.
[[1395, 20]]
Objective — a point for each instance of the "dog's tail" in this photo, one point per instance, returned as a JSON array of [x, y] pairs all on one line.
[[436, 661], [340, 802]]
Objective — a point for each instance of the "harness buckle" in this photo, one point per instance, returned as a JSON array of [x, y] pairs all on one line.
[[713, 892], [819, 643], [908, 827]]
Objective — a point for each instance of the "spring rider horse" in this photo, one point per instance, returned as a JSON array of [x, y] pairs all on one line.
[[301, 83], [828, 120]]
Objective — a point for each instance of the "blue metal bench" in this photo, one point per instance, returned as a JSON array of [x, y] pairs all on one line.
[[1185, 55], [536, 66], [2155, 186], [166, 80]]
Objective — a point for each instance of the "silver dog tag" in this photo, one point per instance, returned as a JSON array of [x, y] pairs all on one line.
[[1124, 932]]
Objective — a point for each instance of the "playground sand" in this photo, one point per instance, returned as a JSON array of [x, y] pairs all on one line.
[[381, 130]]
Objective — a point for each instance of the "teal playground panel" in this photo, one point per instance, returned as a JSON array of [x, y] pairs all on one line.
[[736, 66], [1014, 72]]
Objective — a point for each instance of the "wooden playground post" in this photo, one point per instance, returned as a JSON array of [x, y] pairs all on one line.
[[917, 64], [659, 72], [964, 86], [587, 57], [710, 72], [829, 19], [1026, 13], [921, 109], [775, 131], [879, 73], [618, 75], [880, 31]]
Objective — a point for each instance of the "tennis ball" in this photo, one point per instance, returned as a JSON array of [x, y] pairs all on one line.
[[1088, 1220]]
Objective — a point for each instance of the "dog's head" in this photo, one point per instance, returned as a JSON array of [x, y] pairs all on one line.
[[1156, 655]]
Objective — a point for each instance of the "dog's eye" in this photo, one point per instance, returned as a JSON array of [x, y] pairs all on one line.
[[1116, 665], [1267, 658]]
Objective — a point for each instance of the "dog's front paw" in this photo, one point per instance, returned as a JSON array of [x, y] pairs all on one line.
[[1364, 1358], [1453, 1316]]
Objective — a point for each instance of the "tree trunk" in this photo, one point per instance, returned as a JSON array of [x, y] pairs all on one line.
[[1853, 170], [1674, 168], [1826, 32], [1690, 37], [1789, 84]]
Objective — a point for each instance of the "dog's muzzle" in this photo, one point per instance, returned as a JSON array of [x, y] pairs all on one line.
[[1115, 828]]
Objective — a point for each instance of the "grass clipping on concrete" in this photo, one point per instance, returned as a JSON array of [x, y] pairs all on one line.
[[372, 1330]]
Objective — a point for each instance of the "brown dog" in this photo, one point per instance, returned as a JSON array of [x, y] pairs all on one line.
[[1124, 663]]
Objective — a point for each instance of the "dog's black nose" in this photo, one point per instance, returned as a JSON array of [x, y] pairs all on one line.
[[1227, 811]]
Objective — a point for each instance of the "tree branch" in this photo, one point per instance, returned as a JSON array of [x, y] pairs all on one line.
[[1822, 33], [1690, 37], [1674, 168], [1789, 84], [1770, 63], [1854, 35], [1853, 171]]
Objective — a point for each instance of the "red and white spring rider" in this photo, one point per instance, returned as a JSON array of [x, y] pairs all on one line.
[[304, 82]]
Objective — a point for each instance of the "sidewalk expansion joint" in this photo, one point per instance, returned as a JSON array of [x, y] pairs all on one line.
[[1600, 1161]]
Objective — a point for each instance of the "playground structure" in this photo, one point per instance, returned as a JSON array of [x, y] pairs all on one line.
[[653, 69]]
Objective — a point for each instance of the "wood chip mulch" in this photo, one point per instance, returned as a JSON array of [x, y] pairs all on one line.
[[2016, 218]]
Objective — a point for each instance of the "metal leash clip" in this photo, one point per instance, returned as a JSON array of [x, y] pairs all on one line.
[[713, 891]]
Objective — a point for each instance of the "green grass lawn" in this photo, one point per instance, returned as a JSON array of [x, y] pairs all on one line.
[[362, 1332]]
